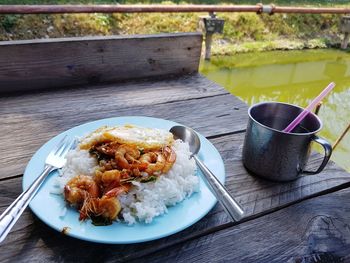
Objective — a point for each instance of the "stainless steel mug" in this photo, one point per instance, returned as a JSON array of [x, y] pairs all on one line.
[[276, 155]]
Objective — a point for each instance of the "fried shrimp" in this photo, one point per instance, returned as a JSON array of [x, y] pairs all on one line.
[[170, 157], [126, 156], [79, 188], [106, 207], [108, 179], [155, 162], [158, 162], [108, 149], [118, 190]]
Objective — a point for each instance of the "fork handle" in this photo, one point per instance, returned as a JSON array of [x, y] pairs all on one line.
[[10, 216]]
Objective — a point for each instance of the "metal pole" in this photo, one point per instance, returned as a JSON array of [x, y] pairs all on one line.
[[56, 9], [259, 8]]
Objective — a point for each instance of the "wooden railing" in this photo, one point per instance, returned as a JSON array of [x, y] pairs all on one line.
[[258, 8], [59, 62]]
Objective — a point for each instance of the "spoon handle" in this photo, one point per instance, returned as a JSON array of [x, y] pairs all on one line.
[[232, 207]]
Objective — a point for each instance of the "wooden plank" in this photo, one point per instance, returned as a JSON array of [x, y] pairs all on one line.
[[33, 241], [257, 196], [39, 64], [316, 230], [127, 94], [28, 121]]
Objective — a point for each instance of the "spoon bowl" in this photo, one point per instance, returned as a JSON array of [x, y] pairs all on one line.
[[187, 135]]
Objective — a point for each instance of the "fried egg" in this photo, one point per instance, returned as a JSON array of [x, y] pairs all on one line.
[[146, 138]]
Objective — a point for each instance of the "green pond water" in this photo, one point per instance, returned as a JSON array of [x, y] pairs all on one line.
[[295, 77]]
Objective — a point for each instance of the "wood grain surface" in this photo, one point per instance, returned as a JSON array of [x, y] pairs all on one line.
[[29, 120], [305, 220], [257, 196], [43, 64], [316, 230]]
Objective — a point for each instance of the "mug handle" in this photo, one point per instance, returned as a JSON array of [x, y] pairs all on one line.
[[327, 154]]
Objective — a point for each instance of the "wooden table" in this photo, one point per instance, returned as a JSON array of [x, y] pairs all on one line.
[[306, 220]]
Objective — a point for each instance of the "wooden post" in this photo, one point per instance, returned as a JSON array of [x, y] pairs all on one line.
[[210, 25], [208, 40], [345, 28], [344, 43]]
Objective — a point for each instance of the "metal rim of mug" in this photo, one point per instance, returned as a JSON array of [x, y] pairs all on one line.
[[272, 129]]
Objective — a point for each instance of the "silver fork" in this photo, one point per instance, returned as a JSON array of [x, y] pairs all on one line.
[[55, 160]]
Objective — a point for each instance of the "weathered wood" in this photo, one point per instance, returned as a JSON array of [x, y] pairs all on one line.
[[257, 196], [29, 120], [345, 28], [127, 94], [316, 230], [345, 41], [40, 243], [53, 63], [208, 41]]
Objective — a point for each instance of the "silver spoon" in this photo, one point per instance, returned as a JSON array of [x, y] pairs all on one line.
[[222, 195]]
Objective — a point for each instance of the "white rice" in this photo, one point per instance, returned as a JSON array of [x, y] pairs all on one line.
[[146, 200]]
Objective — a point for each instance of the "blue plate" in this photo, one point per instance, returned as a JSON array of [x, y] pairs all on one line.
[[48, 207]]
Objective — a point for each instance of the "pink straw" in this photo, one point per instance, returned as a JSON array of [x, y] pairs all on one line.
[[307, 110]]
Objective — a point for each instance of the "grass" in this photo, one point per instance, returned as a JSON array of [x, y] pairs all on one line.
[[257, 46], [243, 32]]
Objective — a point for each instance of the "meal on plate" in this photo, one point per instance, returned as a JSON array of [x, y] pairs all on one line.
[[127, 173]]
